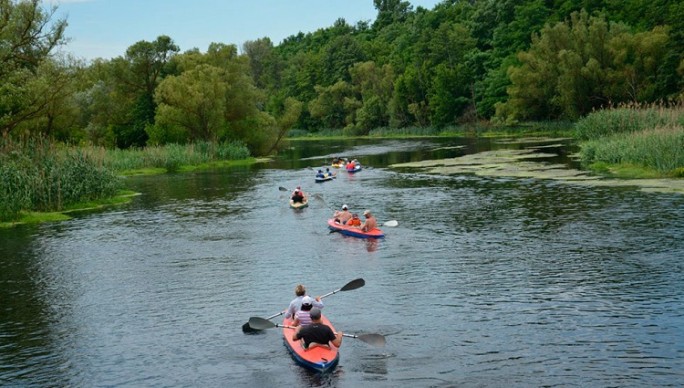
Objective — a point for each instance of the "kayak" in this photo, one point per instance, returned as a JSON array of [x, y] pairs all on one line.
[[354, 232], [299, 205], [338, 165], [325, 177], [318, 358], [357, 168]]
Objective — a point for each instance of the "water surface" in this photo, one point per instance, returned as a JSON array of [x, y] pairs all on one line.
[[485, 282]]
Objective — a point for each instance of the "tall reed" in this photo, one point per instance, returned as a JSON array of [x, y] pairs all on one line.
[[627, 119], [37, 175], [660, 148], [170, 156]]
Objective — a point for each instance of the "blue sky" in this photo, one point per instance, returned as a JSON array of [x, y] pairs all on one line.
[[106, 28]]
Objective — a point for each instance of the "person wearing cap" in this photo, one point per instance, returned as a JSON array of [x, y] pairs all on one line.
[[370, 222], [341, 217], [298, 195], [296, 303], [302, 317], [317, 333]]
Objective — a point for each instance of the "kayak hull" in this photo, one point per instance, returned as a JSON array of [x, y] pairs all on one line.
[[318, 358], [354, 232], [325, 178], [299, 205], [356, 169]]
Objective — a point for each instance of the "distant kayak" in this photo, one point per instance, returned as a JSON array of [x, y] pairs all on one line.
[[354, 169], [317, 358], [325, 177], [354, 232]]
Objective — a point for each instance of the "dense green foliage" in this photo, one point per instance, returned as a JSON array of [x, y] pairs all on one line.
[[461, 62]]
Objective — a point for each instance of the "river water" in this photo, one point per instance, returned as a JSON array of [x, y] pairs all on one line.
[[484, 282]]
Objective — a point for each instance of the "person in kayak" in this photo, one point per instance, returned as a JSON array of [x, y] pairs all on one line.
[[370, 222], [320, 174], [296, 303], [354, 221], [303, 316], [341, 217], [298, 196], [317, 333], [351, 165]]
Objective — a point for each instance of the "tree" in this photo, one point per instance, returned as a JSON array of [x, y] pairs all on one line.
[[137, 75], [27, 36], [576, 66], [193, 101]]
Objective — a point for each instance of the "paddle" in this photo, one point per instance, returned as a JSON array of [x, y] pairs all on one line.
[[391, 223], [353, 285], [263, 324]]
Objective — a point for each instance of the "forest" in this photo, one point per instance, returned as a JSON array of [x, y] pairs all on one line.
[[462, 63]]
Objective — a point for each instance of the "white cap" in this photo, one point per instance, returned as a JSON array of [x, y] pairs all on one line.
[[344, 207], [307, 300]]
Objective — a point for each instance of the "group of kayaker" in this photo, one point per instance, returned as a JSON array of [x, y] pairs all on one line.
[[306, 313], [345, 217]]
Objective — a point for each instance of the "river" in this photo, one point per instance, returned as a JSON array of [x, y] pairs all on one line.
[[486, 281]]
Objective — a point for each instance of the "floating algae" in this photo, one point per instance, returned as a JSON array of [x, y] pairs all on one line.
[[525, 163]]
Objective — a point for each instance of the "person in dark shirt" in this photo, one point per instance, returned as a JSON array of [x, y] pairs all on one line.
[[317, 333]]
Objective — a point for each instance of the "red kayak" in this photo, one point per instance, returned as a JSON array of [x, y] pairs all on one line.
[[317, 358], [353, 231]]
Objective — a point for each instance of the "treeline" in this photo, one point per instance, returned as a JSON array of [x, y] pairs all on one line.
[[461, 62]]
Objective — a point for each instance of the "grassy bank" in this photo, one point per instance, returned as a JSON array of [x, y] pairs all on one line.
[[634, 142], [41, 181]]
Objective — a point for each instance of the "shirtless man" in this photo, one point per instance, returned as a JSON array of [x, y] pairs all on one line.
[[370, 222]]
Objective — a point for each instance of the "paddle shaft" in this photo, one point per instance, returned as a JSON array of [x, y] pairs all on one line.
[[354, 284], [373, 339]]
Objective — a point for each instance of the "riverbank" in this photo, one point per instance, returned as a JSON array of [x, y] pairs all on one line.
[[36, 217]]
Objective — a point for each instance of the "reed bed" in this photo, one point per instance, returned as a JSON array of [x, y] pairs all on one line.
[[36, 175], [650, 137], [169, 157], [627, 119], [660, 148]]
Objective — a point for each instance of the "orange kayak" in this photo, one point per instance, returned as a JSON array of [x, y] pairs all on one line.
[[318, 358], [354, 232]]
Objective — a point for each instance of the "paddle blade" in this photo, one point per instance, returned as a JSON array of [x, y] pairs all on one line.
[[353, 285], [281, 188], [392, 223], [373, 339], [258, 323]]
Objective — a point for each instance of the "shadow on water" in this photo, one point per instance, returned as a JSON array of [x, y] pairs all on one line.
[[485, 281]]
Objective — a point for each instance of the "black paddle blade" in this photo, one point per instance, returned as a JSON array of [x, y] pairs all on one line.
[[258, 323], [247, 329], [354, 284], [281, 188], [373, 339]]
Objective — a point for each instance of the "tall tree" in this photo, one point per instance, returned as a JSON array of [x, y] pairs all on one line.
[[28, 34], [139, 73]]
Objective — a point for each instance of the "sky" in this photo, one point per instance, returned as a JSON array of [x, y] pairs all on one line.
[[106, 28]]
